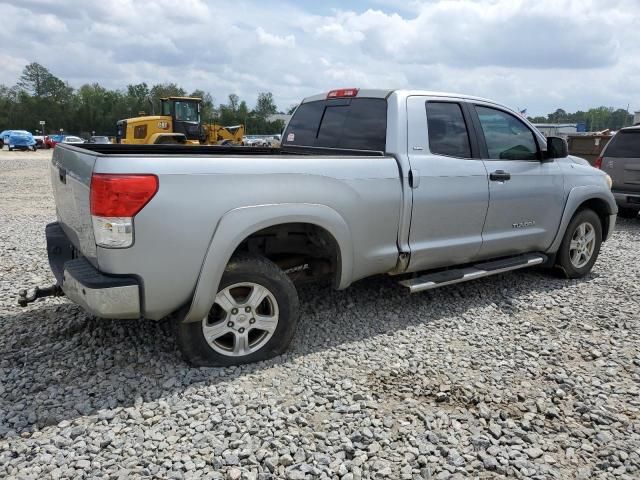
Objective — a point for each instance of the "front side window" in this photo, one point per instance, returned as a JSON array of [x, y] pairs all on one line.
[[507, 138], [187, 111], [447, 130]]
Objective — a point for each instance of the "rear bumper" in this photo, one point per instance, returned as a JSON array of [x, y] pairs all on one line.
[[627, 199], [102, 295]]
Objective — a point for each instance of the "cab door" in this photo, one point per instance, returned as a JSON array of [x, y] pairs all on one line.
[[526, 193], [449, 185]]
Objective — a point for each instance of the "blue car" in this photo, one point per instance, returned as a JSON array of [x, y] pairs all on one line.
[[19, 140], [4, 137]]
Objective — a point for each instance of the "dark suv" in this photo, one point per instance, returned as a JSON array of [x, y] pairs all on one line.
[[621, 160]]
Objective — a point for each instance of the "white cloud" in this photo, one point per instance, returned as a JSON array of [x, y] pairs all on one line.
[[541, 55], [274, 40]]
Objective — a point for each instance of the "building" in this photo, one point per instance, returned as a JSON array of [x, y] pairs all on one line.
[[557, 129], [636, 118]]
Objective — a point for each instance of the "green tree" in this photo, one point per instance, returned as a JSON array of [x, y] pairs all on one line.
[[163, 90], [265, 105], [228, 114], [207, 108]]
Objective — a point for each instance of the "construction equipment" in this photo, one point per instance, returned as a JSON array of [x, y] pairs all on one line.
[[179, 122]]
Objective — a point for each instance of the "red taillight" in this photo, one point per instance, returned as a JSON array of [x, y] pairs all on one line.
[[121, 195], [598, 162], [342, 93]]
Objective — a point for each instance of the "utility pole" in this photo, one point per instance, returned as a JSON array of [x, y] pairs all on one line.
[[627, 116]]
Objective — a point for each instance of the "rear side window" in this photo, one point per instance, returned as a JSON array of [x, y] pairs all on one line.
[[625, 144], [355, 124], [447, 130], [507, 137]]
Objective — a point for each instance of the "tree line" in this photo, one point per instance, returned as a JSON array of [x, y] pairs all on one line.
[[41, 96], [595, 119]]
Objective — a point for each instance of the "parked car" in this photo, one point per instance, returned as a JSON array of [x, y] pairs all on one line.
[[432, 188], [275, 140], [254, 141], [39, 141], [21, 140], [99, 139], [4, 138], [72, 139], [621, 160], [51, 141]]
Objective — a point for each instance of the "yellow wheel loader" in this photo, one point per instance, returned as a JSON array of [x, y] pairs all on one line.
[[179, 123]]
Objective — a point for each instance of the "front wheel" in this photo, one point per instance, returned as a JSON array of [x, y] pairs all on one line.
[[253, 318], [581, 244]]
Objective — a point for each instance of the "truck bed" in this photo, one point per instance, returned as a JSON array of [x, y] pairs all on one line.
[[125, 149], [357, 193]]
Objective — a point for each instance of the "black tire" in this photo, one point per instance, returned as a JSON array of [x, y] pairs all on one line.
[[245, 268], [563, 259], [626, 212]]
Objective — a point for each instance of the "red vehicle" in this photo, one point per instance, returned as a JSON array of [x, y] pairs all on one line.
[[51, 141]]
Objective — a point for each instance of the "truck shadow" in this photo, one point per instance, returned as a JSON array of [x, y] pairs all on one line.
[[57, 363]]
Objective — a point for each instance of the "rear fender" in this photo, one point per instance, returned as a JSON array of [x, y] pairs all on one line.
[[239, 223], [578, 196]]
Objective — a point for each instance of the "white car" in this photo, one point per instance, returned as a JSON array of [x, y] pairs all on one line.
[[255, 141], [72, 139]]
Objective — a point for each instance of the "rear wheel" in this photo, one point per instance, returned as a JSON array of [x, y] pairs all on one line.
[[253, 318], [581, 244]]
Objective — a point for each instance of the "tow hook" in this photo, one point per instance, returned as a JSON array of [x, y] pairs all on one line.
[[53, 291]]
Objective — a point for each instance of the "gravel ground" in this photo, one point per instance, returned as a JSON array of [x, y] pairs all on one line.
[[519, 376]]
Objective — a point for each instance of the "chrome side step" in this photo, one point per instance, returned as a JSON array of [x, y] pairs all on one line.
[[485, 269]]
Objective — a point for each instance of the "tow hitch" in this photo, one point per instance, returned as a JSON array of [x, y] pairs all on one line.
[[53, 291]]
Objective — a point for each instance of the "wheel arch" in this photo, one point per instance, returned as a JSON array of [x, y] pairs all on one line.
[[587, 197], [237, 225]]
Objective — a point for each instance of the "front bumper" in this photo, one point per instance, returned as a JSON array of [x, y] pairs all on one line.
[[102, 295]]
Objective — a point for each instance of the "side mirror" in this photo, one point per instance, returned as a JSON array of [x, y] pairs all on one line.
[[556, 148]]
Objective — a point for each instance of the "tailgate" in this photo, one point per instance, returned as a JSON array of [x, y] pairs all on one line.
[[71, 170], [625, 173]]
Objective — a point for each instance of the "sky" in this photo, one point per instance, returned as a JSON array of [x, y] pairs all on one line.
[[533, 54]]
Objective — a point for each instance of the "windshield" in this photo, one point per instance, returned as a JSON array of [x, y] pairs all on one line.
[[187, 112]]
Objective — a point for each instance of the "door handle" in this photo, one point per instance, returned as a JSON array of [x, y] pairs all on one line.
[[499, 176], [62, 173]]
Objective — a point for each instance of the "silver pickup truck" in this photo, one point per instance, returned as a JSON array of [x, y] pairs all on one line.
[[433, 188]]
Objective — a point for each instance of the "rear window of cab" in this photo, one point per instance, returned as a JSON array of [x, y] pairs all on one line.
[[345, 123], [625, 144]]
